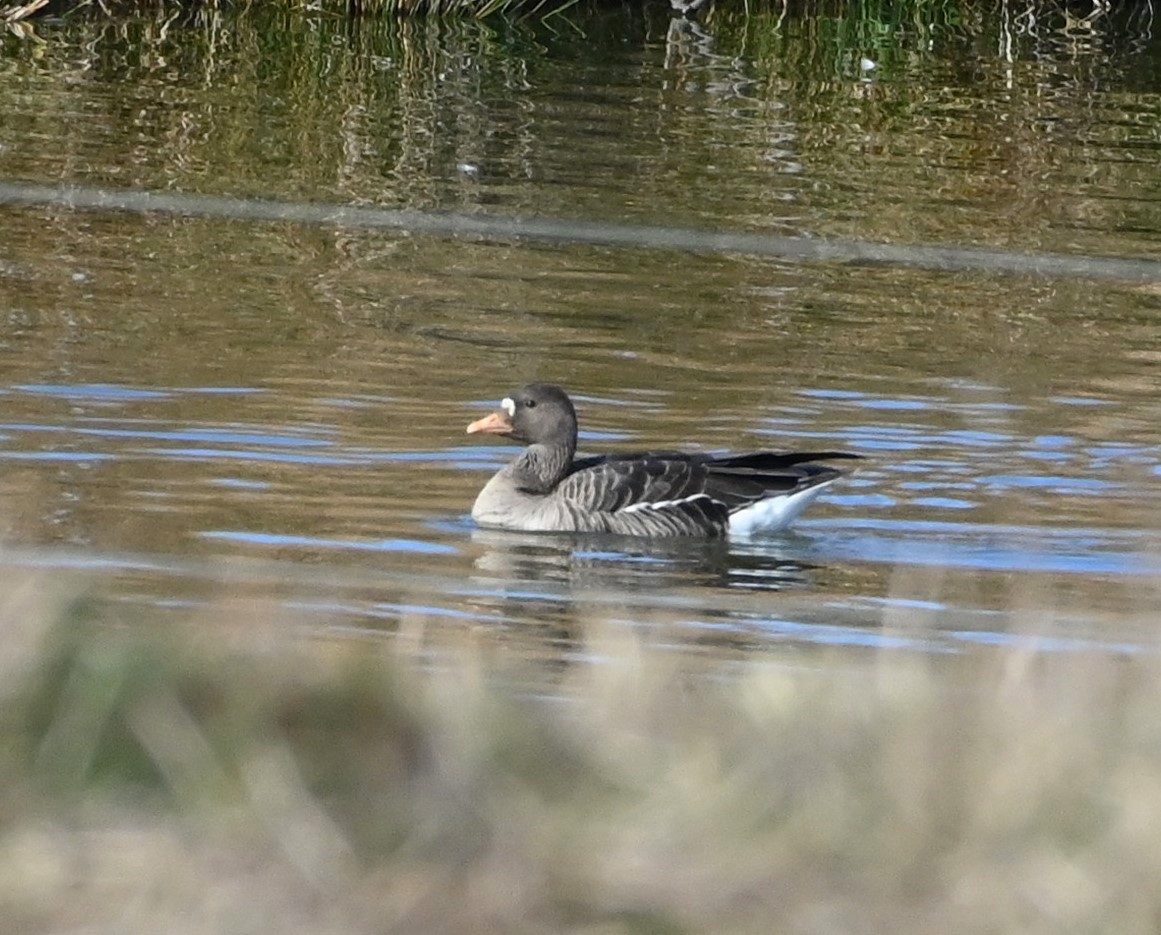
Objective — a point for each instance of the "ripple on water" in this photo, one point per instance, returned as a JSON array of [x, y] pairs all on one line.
[[417, 546], [990, 547]]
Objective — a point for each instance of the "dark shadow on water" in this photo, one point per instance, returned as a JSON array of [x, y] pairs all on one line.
[[569, 231]]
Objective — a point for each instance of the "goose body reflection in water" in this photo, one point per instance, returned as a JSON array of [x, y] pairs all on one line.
[[624, 565]]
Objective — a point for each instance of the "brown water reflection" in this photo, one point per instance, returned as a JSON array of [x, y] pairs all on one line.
[[190, 398]]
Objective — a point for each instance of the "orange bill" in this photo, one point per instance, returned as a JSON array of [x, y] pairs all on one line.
[[495, 424]]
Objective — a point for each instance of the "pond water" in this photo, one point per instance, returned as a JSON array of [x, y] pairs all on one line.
[[195, 393]]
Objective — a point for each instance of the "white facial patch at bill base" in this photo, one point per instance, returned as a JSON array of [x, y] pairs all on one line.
[[508, 406]]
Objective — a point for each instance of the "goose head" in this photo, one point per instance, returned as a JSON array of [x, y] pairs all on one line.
[[536, 414]]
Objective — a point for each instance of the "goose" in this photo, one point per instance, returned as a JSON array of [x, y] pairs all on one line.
[[658, 493]]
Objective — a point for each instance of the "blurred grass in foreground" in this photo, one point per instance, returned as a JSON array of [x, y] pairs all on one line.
[[231, 773]]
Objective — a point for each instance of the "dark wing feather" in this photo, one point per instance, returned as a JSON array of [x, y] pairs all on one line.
[[614, 483], [779, 460], [693, 493], [740, 480]]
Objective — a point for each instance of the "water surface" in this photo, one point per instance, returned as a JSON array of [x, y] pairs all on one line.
[[187, 399]]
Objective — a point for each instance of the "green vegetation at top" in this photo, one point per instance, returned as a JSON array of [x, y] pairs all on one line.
[[871, 11], [540, 8]]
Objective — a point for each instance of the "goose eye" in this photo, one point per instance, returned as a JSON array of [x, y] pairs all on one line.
[[531, 404]]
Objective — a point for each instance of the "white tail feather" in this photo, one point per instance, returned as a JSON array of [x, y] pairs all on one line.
[[775, 513]]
